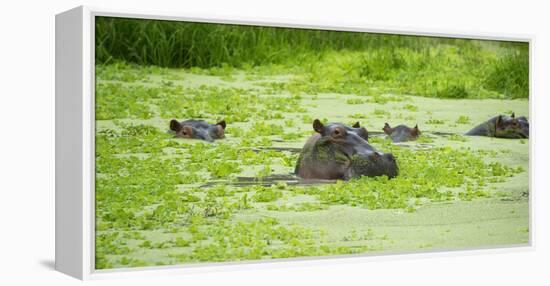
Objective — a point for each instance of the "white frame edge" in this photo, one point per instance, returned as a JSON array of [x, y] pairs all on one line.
[[69, 236], [75, 145]]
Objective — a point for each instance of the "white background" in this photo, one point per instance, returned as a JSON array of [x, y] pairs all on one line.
[[27, 141]]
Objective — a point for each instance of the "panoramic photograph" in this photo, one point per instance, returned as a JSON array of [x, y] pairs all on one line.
[[240, 143]]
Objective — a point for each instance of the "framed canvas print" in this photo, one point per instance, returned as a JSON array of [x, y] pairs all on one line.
[[186, 142]]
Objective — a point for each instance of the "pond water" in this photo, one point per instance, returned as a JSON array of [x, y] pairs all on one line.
[[163, 200]]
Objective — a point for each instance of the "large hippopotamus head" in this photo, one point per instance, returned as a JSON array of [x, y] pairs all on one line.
[[511, 127], [338, 151], [503, 126], [198, 129]]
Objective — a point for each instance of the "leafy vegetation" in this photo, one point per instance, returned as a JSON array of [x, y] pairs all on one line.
[[326, 61]]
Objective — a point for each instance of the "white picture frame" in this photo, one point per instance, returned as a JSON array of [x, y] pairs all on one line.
[[74, 167]]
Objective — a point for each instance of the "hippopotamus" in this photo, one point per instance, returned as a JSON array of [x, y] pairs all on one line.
[[198, 129], [502, 126], [337, 151], [401, 133], [360, 131]]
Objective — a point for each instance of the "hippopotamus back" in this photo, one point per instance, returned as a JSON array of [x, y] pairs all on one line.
[[502, 126], [198, 129], [338, 152], [401, 133]]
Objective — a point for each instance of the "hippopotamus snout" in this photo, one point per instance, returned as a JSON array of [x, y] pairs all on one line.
[[524, 126], [203, 135], [373, 163]]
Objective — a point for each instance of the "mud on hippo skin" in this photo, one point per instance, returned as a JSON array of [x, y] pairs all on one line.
[[503, 126], [337, 152], [401, 133], [198, 129]]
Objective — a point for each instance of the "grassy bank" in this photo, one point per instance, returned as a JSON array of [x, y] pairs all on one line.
[[327, 60]]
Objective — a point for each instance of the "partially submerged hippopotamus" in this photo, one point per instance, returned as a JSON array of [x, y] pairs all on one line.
[[198, 129], [360, 131], [502, 126], [338, 151], [401, 133]]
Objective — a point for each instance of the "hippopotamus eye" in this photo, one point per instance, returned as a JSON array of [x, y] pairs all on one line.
[[337, 132]]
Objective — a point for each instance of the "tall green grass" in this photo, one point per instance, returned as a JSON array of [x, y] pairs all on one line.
[[205, 45], [430, 66], [510, 73]]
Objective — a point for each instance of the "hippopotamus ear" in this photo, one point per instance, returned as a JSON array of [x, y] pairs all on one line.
[[356, 125], [222, 124], [387, 128], [175, 125], [318, 126], [366, 133], [415, 130], [513, 115]]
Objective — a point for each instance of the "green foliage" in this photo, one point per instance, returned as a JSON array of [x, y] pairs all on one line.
[[115, 101], [509, 74], [456, 137], [435, 121], [266, 194], [462, 119], [327, 61], [425, 139], [300, 207], [186, 44], [380, 113], [410, 107], [426, 174], [355, 101], [264, 238], [453, 91]]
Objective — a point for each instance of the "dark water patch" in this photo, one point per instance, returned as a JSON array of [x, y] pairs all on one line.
[[442, 133], [289, 179], [288, 149], [438, 133], [416, 146]]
